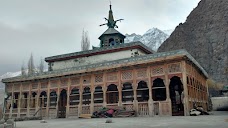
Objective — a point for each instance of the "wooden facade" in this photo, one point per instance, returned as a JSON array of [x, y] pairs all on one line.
[[149, 88]]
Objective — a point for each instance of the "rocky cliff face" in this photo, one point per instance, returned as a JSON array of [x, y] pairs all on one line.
[[205, 36]]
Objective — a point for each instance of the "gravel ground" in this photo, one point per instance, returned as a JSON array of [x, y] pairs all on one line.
[[218, 120]]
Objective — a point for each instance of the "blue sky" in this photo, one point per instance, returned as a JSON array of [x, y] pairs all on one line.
[[53, 27]]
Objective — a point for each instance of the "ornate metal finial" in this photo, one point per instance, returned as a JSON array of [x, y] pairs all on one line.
[[111, 22], [110, 5]]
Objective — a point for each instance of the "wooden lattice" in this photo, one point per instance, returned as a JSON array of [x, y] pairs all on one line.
[[112, 77], [98, 107], [188, 68], [54, 84], [143, 109], [17, 87], [73, 111], [85, 109], [98, 78], [64, 82], [86, 80], [129, 107], [127, 75], [43, 85], [142, 73], [165, 108], [75, 81], [9, 88], [52, 113], [25, 87], [157, 71], [35, 86], [175, 67]]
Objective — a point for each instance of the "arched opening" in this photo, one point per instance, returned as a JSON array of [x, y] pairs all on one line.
[[176, 96], [24, 100], [53, 99], [86, 96], [142, 92], [111, 42], [62, 104], [159, 90], [127, 93], [43, 99], [98, 95], [74, 96], [8, 100], [112, 94], [15, 102], [33, 100]]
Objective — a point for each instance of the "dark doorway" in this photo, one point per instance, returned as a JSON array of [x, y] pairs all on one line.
[[112, 94], [176, 96], [62, 104]]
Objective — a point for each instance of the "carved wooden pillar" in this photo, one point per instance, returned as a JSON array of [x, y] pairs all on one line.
[[12, 100], [92, 89], [19, 101], [48, 98], [58, 96], [104, 88], [167, 82], [80, 98], [119, 88], [68, 97], [134, 86], [29, 100], [150, 101], [184, 78]]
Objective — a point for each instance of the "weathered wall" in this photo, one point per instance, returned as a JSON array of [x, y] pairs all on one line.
[[95, 59]]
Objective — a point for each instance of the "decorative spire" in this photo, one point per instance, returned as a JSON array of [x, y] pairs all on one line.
[[111, 22]]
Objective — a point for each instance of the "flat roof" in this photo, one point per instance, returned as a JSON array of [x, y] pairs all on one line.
[[156, 57]]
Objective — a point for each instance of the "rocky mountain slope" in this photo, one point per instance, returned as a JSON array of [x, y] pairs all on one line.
[[153, 38], [8, 75], [205, 36]]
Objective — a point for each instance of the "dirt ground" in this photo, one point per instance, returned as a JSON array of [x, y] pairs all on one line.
[[217, 120]]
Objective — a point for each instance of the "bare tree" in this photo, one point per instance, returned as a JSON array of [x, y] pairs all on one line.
[[31, 67], [41, 66], [85, 42]]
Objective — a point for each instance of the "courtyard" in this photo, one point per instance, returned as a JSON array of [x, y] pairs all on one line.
[[217, 120]]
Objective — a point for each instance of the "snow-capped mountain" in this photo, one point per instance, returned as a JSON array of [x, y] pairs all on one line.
[[168, 31], [8, 75], [153, 38]]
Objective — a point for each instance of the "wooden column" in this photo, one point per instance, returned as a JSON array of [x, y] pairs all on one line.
[[150, 101], [29, 100], [48, 98], [80, 98], [167, 82], [184, 78], [19, 101], [104, 88], [37, 98], [134, 86], [12, 99], [58, 96], [92, 89], [119, 88], [68, 97]]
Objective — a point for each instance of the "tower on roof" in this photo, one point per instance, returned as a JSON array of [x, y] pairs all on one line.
[[111, 36]]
